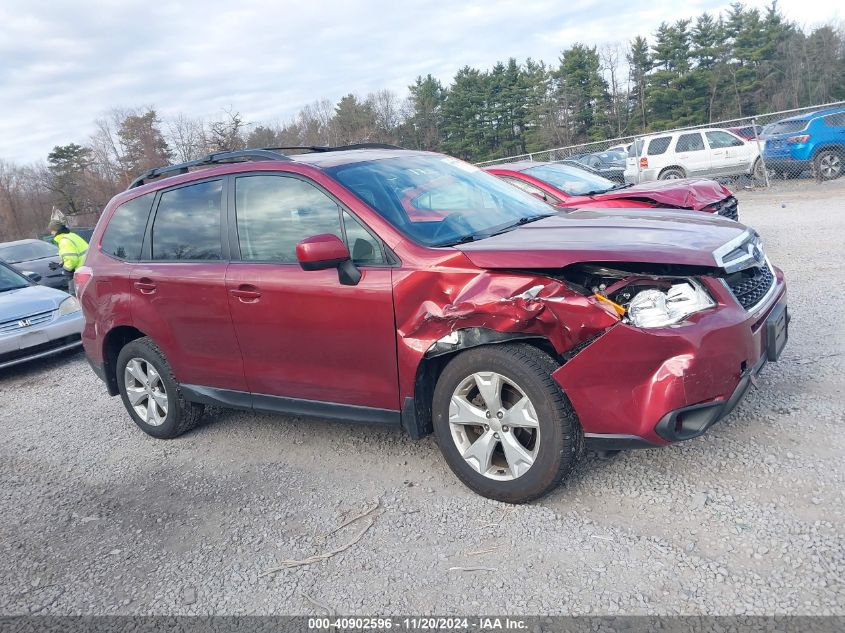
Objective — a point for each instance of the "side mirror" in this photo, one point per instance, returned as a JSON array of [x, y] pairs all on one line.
[[323, 251], [35, 277]]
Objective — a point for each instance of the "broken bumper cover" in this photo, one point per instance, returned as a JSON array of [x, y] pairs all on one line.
[[637, 388]]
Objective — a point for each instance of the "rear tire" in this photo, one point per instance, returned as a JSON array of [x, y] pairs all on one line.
[[829, 164], [672, 173], [147, 385], [485, 453]]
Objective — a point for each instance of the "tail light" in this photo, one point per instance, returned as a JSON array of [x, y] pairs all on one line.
[[81, 277], [644, 162], [803, 138]]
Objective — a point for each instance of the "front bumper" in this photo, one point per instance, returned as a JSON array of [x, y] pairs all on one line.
[[54, 337], [637, 387]]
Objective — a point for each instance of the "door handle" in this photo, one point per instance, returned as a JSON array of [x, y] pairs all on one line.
[[246, 293], [145, 286]]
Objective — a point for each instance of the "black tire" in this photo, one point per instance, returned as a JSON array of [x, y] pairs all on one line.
[[561, 439], [182, 415], [829, 164], [672, 173]]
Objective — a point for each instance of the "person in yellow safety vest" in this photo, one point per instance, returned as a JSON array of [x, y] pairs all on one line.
[[72, 250]]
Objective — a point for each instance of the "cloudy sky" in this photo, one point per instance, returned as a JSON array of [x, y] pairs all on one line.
[[62, 64]]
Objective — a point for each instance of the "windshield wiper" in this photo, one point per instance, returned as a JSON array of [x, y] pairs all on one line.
[[523, 220], [461, 240]]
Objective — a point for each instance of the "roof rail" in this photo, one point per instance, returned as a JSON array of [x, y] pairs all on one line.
[[216, 158], [336, 148]]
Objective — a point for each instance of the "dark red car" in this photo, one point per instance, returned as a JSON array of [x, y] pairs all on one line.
[[406, 288], [567, 186]]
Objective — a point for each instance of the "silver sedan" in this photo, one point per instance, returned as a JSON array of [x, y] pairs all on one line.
[[35, 320]]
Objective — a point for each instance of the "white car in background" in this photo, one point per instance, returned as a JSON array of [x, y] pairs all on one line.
[[706, 152]]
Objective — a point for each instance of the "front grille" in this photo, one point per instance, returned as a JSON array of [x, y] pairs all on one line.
[[728, 208], [37, 349], [749, 286], [23, 323]]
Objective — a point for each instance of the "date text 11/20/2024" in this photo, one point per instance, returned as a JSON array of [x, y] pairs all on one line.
[[418, 624]]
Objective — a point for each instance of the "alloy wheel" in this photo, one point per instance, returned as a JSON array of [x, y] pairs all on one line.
[[494, 426], [146, 391], [830, 166]]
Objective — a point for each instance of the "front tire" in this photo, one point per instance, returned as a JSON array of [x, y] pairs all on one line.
[[150, 392], [503, 424]]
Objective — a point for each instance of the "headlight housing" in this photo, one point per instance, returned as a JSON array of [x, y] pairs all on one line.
[[659, 308], [69, 306]]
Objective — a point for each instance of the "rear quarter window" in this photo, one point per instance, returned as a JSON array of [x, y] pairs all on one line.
[[659, 145], [125, 232]]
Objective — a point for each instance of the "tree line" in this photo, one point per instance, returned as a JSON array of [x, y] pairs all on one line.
[[692, 71]]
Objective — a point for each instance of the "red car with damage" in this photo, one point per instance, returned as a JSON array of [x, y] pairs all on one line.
[[385, 286], [568, 186]]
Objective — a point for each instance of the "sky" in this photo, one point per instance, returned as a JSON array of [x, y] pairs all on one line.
[[64, 64]]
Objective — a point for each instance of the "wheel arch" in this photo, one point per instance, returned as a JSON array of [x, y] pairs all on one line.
[[116, 339], [416, 414], [836, 147]]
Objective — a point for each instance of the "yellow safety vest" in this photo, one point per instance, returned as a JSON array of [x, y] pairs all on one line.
[[72, 250]]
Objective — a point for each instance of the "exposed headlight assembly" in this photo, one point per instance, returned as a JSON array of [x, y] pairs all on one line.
[[69, 306], [658, 308]]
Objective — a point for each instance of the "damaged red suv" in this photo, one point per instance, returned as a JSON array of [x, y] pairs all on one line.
[[386, 286], [567, 186]]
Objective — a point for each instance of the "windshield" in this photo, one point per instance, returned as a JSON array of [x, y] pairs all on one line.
[[10, 280], [16, 253], [571, 180], [437, 200], [784, 127]]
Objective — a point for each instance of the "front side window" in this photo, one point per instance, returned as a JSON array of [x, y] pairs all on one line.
[[274, 213], [690, 143], [720, 140], [187, 223], [437, 200], [10, 280], [125, 233], [659, 145], [570, 179]]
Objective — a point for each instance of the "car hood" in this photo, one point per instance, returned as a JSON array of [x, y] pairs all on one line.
[[608, 235], [27, 301], [688, 193]]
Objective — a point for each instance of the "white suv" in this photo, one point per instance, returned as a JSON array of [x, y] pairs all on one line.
[[707, 152]]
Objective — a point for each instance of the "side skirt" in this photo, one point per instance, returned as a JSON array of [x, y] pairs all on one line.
[[290, 406]]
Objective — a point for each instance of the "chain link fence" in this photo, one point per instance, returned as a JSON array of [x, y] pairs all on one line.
[[756, 151]]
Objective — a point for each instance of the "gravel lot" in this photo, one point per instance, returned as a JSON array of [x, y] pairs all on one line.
[[98, 518]]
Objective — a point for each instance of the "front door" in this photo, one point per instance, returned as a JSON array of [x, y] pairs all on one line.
[[302, 333]]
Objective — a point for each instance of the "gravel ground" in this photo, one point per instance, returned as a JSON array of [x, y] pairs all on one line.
[[98, 518]]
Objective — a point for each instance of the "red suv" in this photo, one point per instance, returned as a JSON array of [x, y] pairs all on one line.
[[411, 289], [567, 186]]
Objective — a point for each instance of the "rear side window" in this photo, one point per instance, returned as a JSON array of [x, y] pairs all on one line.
[[690, 143], [125, 233], [835, 120], [187, 223], [659, 145]]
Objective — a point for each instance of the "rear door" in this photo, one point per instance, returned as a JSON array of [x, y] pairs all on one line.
[[304, 335], [179, 295], [692, 154]]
